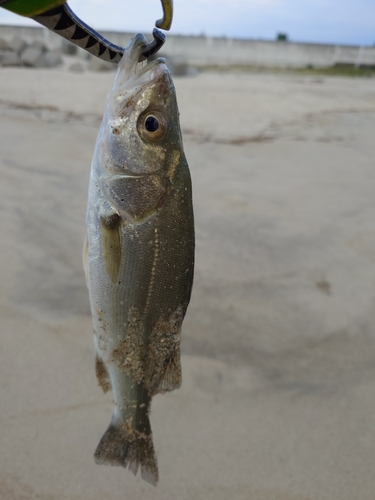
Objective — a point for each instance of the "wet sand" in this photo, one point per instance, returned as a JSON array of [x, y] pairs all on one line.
[[278, 395]]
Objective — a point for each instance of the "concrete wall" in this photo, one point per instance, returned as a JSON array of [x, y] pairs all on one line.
[[201, 51]]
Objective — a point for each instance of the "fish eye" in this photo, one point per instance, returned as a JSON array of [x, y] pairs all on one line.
[[152, 126]]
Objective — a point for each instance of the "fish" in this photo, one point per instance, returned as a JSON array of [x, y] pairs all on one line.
[[139, 254]]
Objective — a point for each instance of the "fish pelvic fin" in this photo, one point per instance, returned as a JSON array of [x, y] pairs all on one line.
[[128, 447]]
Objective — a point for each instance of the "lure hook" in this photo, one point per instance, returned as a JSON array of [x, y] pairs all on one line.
[[62, 20], [165, 22]]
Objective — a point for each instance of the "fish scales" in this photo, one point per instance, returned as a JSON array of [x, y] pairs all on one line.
[[139, 254]]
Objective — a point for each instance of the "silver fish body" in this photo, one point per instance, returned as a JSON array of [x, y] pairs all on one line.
[[139, 255]]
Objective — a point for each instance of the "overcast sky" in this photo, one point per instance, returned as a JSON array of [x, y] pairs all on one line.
[[332, 21]]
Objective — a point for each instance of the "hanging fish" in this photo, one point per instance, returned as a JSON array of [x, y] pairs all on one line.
[[139, 255]]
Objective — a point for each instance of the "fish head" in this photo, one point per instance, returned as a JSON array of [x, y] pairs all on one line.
[[142, 118]]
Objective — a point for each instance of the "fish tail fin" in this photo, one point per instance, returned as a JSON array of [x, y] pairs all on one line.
[[129, 447]]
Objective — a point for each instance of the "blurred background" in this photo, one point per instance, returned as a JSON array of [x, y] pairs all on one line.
[[319, 21], [277, 103]]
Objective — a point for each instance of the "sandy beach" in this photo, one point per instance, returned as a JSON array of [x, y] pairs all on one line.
[[278, 394]]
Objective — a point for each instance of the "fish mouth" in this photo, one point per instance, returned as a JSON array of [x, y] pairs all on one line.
[[130, 70], [150, 65]]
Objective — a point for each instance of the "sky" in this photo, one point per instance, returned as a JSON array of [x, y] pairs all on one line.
[[323, 21]]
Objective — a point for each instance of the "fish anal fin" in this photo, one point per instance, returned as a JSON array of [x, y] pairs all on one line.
[[102, 375], [171, 377], [163, 372]]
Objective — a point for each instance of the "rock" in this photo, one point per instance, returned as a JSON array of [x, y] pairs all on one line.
[[33, 57], [77, 67], [68, 48], [37, 57], [180, 67], [39, 44], [4, 44], [52, 58], [96, 64], [10, 59], [17, 44], [2, 53]]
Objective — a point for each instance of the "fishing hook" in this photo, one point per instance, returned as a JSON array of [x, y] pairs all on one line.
[[62, 20]]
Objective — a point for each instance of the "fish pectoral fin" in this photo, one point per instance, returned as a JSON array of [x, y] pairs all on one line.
[[111, 242], [128, 447], [102, 375]]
